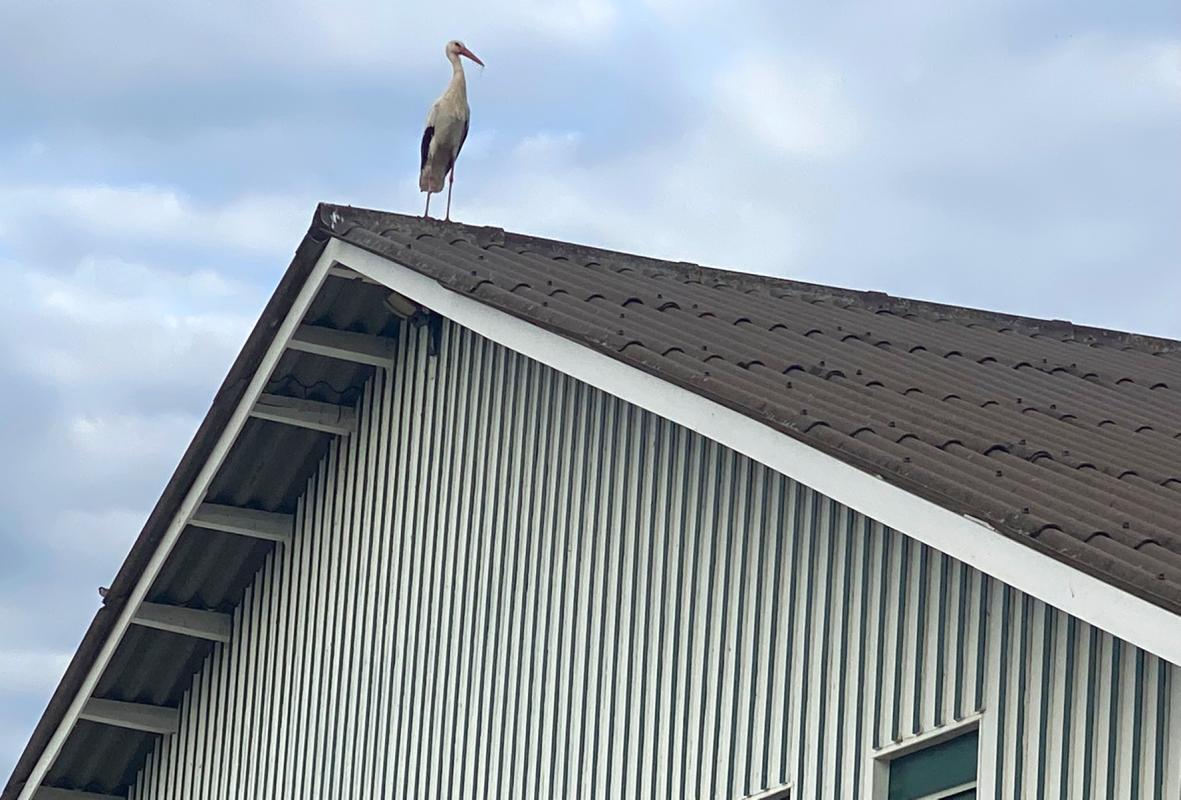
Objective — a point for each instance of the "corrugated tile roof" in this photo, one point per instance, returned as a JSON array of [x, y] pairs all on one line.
[[1064, 437]]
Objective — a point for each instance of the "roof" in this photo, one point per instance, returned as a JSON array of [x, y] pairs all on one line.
[[1064, 437], [1067, 439]]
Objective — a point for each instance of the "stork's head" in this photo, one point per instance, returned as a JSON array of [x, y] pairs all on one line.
[[456, 48]]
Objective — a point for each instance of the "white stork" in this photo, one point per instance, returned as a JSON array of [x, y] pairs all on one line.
[[446, 128]]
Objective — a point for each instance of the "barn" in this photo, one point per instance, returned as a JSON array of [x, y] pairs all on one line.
[[477, 514]]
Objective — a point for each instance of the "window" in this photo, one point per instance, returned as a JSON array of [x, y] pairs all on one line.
[[940, 771]]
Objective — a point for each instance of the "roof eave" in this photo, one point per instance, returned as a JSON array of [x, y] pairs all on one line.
[[225, 401]]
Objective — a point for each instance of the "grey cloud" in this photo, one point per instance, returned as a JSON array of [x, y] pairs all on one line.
[[1038, 182], [142, 43], [110, 366]]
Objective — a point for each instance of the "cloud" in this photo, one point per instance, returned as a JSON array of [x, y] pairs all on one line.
[[87, 534], [111, 363], [27, 679], [1018, 181], [797, 109], [545, 146], [188, 42], [102, 214], [125, 335], [162, 160], [31, 671]]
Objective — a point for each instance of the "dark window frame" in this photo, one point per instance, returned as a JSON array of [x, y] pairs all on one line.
[[882, 759]]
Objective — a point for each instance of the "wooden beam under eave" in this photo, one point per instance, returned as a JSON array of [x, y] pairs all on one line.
[[360, 348], [198, 623], [312, 414], [54, 793], [135, 716], [270, 525]]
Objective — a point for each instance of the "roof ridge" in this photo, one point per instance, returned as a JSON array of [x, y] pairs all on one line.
[[872, 300]]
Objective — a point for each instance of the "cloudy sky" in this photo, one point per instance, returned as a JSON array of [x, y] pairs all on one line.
[[159, 162]]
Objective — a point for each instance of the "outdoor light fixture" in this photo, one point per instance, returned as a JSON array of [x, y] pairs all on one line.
[[400, 306]]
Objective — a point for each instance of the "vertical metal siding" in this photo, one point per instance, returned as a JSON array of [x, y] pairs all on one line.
[[508, 584]]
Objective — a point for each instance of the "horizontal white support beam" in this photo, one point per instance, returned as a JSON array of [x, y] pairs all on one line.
[[136, 716], [361, 348], [326, 417], [201, 624], [53, 793], [270, 525]]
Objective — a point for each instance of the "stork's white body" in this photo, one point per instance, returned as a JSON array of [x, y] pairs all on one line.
[[448, 123], [446, 130]]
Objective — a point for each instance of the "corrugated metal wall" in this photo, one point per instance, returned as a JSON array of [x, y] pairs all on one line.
[[508, 584]]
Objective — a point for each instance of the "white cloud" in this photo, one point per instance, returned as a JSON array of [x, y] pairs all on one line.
[[1165, 66], [251, 222], [998, 182], [31, 670], [117, 360], [144, 43], [112, 323], [1003, 113], [546, 146], [112, 438], [93, 533], [687, 199], [797, 108]]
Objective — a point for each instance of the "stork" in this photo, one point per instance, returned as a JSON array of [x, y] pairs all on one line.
[[446, 129]]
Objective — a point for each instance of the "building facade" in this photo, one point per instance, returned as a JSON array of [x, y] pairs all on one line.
[[510, 584], [478, 515]]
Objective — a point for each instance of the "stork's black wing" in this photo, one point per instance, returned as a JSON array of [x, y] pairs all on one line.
[[427, 135], [462, 138]]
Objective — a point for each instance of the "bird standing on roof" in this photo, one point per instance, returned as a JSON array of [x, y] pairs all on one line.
[[446, 128]]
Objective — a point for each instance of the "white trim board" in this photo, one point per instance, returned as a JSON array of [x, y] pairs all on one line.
[[192, 500], [975, 543], [928, 738]]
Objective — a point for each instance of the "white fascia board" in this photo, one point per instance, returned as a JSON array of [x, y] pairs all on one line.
[[975, 543], [194, 497]]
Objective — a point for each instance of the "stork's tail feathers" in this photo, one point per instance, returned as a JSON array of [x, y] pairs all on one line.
[[428, 182]]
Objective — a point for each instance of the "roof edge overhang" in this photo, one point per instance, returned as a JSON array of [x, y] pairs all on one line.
[[1022, 564], [217, 431]]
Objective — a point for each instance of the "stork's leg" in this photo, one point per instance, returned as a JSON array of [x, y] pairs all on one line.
[[450, 183], [427, 213]]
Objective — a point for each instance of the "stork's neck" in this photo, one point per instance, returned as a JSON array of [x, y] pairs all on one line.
[[458, 79]]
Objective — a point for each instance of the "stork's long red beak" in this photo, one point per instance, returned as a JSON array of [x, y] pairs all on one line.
[[471, 55]]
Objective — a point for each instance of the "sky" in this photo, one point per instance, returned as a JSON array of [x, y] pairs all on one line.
[[159, 163]]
